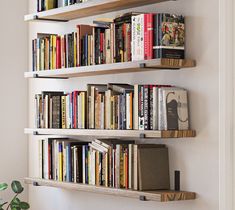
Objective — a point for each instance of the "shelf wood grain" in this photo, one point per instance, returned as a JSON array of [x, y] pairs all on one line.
[[86, 9], [160, 196], [115, 68], [112, 133]]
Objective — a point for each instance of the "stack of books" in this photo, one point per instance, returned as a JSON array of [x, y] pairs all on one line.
[[109, 163], [131, 37], [114, 106]]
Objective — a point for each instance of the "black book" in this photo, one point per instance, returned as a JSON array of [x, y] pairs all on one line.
[[54, 118], [146, 107], [70, 51]]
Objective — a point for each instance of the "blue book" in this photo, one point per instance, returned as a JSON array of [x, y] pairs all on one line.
[[68, 164]]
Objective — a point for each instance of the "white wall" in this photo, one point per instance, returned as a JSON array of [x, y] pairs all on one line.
[[196, 158], [13, 105]]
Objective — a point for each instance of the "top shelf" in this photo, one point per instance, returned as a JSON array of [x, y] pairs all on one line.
[[86, 9]]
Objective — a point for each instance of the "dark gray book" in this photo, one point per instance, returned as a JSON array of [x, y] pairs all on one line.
[[153, 168]]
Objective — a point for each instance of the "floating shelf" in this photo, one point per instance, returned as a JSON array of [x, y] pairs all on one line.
[[86, 9], [112, 133], [115, 68], [160, 196]]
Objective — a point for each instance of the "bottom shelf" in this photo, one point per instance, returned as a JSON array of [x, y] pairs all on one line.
[[160, 196]]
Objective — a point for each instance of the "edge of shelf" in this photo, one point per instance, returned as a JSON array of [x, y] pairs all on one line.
[[160, 196], [86, 9], [113, 133], [115, 68]]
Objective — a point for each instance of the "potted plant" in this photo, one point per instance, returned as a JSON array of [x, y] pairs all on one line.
[[15, 203]]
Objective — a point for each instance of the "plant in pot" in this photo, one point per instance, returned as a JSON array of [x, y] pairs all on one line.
[[15, 203]]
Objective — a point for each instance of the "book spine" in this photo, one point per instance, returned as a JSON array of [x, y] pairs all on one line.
[[155, 108], [146, 108], [146, 37], [63, 114], [68, 164], [60, 178], [160, 110], [141, 106], [150, 36]]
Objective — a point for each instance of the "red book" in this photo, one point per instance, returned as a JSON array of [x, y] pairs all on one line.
[[150, 35], [75, 115], [58, 52], [146, 40], [102, 47], [49, 161]]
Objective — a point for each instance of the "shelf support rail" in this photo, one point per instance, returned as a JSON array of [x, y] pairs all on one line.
[[36, 76], [35, 17], [144, 66]]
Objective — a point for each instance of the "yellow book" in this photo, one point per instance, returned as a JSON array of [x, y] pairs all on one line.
[[60, 178], [49, 4]]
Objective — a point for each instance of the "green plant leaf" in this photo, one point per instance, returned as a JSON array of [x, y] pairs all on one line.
[[24, 205], [17, 187], [3, 186], [15, 201], [16, 208]]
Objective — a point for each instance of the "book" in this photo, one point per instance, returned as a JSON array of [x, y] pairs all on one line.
[[153, 167], [169, 36]]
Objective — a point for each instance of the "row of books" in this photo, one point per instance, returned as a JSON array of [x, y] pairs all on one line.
[[114, 106], [109, 163], [44, 5], [131, 37]]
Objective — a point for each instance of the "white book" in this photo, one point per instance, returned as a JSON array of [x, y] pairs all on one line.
[[79, 111], [113, 168], [161, 115], [81, 98], [135, 167], [130, 166], [128, 122], [117, 168], [138, 37], [84, 164], [45, 159], [108, 45], [46, 107], [40, 163], [108, 94], [93, 171], [102, 117], [61, 3], [54, 159], [175, 109], [136, 107], [92, 110]]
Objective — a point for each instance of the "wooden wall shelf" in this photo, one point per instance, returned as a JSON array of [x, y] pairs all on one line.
[[112, 133], [160, 196], [115, 68], [86, 9]]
